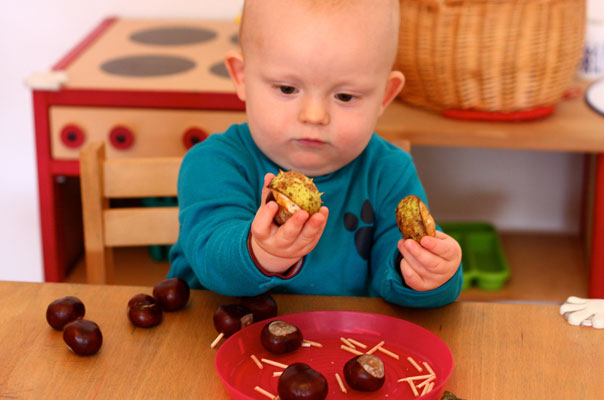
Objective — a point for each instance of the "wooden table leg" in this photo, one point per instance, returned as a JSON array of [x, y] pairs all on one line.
[[596, 269]]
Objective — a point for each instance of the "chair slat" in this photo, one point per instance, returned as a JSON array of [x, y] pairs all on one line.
[[99, 260], [141, 226], [142, 177]]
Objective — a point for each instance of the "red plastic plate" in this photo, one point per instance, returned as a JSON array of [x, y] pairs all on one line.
[[240, 374]]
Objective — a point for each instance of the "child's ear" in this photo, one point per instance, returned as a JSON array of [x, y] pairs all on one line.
[[396, 81], [234, 64]]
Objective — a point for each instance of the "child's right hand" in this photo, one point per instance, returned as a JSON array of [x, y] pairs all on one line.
[[279, 247]]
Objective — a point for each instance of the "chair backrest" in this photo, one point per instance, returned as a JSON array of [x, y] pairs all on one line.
[[104, 179]]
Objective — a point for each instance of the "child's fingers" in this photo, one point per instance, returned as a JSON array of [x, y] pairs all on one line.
[[265, 190], [441, 235], [290, 231], [419, 277], [409, 258], [263, 221], [412, 278], [421, 256], [313, 229], [442, 245]]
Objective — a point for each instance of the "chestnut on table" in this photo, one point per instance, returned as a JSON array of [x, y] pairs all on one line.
[[144, 311], [230, 318], [83, 337], [64, 310], [169, 295], [518, 351], [172, 294]]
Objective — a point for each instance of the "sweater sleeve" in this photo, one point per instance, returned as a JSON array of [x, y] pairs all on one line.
[[218, 199], [387, 281]]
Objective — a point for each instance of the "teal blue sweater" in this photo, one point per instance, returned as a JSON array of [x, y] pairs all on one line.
[[219, 189]]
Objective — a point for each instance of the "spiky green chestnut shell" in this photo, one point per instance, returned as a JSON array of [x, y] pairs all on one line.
[[413, 219], [299, 188]]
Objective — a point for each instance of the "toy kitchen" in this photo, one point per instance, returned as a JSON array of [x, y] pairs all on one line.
[[147, 88]]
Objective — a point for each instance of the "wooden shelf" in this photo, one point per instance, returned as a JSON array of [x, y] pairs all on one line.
[[572, 127], [544, 268]]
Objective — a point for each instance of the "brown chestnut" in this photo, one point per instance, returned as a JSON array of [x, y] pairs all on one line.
[[172, 294], [300, 382], [263, 306], [230, 318], [82, 336], [64, 310], [365, 373], [280, 337], [144, 311]]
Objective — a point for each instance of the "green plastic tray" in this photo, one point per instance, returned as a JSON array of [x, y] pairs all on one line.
[[483, 260]]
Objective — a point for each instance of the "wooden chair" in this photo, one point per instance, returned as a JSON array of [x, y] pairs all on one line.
[[104, 179]]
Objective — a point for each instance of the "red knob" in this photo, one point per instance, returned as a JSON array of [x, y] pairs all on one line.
[[192, 136], [72, 136], [121, 137]]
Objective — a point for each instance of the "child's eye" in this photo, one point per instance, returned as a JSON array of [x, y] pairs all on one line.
[[345, 97], [286, 89]]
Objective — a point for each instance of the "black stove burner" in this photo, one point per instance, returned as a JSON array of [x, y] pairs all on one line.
[[219, 69], [147, 66], [173, 36]]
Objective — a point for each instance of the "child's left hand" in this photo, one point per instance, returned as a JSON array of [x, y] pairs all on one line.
[[430, 265]]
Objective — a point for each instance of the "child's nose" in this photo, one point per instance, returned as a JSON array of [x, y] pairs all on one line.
[[314, 111]]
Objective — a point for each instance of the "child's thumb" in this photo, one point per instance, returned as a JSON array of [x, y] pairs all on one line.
[[265, 190]]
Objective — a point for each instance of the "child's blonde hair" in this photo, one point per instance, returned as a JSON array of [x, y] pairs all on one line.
[[330, 6]]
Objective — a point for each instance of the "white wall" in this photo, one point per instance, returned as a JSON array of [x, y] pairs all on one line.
[[513, 189], [34, 35]]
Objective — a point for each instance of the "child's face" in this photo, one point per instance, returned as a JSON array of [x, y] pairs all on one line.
[[315, 82]]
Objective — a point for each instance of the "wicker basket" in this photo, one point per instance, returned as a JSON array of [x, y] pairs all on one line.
[[493, 56]]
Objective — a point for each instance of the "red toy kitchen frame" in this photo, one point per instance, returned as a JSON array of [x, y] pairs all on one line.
[[60, 209]]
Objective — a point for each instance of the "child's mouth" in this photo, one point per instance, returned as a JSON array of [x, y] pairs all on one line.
[[311, 142]]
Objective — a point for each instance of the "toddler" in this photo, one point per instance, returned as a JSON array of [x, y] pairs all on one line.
[[315, 76]]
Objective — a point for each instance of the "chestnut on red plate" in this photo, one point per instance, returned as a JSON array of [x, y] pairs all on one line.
[[280, 337], [230, 318], [64, 310], [172, 294], [263, 306], [300, 382], [83, 337], [144, 311], [365, 373]]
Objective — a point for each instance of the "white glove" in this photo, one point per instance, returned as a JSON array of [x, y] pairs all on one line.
[[586, 312]]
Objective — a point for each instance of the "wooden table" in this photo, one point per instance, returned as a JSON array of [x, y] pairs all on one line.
[[501, 351]]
